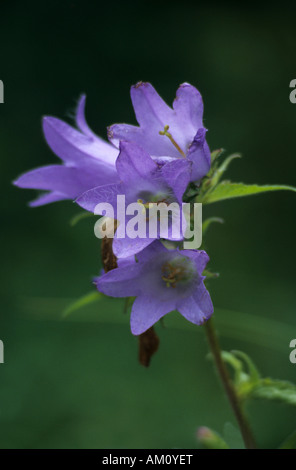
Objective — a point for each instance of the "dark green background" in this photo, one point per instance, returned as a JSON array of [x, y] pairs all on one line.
[[77, 383]]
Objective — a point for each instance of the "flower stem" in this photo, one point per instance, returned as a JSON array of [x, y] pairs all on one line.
[[228, 386]]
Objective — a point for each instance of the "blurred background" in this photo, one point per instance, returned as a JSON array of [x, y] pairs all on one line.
[[76, 383]]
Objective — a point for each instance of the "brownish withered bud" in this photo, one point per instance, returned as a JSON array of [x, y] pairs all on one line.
[[148, 345], [109, 260]]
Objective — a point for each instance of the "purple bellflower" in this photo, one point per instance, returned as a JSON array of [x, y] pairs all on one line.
[[168, 135], [162, 281], [88, 161], [142, 181]]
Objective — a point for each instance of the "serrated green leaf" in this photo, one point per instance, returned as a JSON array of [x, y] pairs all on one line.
[[206, 224], [82, 302], [249, 384], [290, 442], [228, 190], [276, 390], [78, 217]]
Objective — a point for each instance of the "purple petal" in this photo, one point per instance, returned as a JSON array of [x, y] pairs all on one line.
[[58, 178], [101, 194], [146, 311], [121, 282], [197, 308], [150, 109], [203, 299], [47, 198], [81, 121], [176, 227], [133, 163], [162, 160], [124, 247], [153, 115], [69, 181], [126, 262], [177, 175], [200, 258], [149, 139], [200, 156], [155, 249], [189, 108], [124, 132], [73, 146]]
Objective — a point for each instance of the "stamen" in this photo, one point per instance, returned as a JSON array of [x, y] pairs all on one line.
[[172, 275], [146, 205], [167, 134]]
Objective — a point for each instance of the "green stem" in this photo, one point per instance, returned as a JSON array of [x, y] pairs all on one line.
[[228, 386]]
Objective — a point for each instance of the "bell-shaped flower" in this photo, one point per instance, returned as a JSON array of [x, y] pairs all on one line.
[[148, 187], [168, 134], [162, 281], [88, 161]]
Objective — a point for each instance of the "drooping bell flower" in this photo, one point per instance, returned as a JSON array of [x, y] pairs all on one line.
[[88, 161], [162, 281], [168, 134], [143, 182]]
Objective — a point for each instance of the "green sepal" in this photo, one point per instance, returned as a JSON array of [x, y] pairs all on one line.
[[80, 216], [215, 155], [210, 181], [206, 224], [218, 173]]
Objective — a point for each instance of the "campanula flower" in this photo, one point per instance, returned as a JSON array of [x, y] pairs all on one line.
[[142, 181], [168, 134], [88, 161], [162, 281]]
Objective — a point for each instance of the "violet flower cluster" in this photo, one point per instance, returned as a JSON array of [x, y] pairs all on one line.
[[152, 162]]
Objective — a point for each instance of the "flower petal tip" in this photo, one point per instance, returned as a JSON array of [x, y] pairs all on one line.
[[139, 85]]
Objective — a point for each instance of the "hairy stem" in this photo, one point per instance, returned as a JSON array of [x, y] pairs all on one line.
[[228, 386]]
